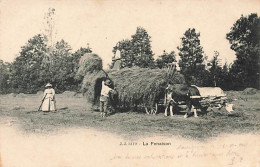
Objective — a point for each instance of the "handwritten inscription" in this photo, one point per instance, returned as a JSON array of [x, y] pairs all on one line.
[[231, 153]]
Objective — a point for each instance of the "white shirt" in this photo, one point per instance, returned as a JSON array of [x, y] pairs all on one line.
[[105, 89]]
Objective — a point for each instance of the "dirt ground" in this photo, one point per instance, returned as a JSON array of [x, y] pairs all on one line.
[[74, 112]]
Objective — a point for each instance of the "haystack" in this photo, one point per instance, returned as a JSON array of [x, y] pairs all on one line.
[[250, 91], [89, 63], [142, 85], [69, 93], [135, 86], [91, 86]]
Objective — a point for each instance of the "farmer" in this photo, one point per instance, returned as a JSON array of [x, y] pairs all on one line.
[[169, 101], [117, 59], [104, 96], [49, 103]]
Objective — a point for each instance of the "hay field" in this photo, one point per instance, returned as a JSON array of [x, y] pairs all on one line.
[[75, 112]]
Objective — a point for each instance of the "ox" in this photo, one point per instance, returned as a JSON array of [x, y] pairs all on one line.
[[194, 97]]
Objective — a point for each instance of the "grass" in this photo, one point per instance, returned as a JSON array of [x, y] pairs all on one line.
[[76, 112]]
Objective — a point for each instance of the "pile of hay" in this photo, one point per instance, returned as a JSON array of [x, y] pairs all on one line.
[[39, 92], [21, 95], [250, 91], [90, 67], [89, 63], [135, 86], [69, 93], [91, 86], [12, 95], [142, 85]]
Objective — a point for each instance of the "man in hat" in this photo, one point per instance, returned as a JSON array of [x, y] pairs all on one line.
[[104, 96], [48, 103]]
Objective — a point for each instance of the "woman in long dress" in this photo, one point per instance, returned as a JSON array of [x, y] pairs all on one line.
[[49, 99]]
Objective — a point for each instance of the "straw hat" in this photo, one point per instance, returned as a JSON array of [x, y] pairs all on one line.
[[108, 82], [48, 85]]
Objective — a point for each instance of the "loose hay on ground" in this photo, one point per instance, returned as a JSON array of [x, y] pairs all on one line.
[[250, 91], [69, 93]]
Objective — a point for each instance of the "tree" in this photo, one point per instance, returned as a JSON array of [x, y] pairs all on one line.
[[215, 70], [41, 61], [62, 70], [191, 55], [49, 34], [27, 72], [165, 59], [141, 47], [49, 27], [227, 80], [30, 70], [137, 51], [127, 55], [244, 38], [4, 76]]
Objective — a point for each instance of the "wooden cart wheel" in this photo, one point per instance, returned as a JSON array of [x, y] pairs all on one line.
[[146, 110], [153, 109]]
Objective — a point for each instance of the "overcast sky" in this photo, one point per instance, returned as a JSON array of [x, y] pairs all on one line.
[[103, 23]]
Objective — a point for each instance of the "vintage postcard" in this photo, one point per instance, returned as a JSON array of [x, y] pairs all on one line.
[[129, 83]]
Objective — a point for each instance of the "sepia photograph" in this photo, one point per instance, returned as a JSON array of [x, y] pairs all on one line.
[[122, 83]]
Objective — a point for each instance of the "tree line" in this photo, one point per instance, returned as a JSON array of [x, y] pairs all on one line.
[[244, 39], [41, 61]]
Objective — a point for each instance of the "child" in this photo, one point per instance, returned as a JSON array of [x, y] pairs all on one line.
[[104, 96]]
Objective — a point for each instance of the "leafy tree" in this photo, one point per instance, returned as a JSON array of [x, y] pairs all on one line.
[[4, 76], [191, 55], [165, 59], [27, 70], [141, 47], [32, 69], [62, 70], [244, 38], [127, 55], [137, 51], [215, 70], [225, 75], [41, 61]]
